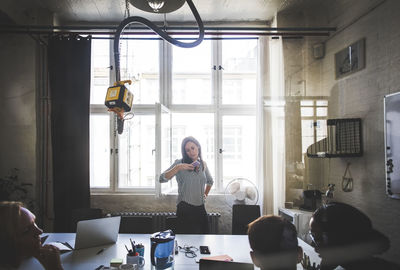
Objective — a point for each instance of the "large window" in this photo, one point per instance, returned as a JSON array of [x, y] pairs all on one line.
[[208, 92]]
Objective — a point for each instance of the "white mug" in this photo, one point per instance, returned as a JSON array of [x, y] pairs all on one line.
[[138, 260]]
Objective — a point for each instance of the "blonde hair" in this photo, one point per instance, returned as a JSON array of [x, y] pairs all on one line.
[[10, 213]]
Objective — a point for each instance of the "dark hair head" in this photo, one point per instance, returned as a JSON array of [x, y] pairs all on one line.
[[271, 234], [274, 244], [344, 225], [185, 157]]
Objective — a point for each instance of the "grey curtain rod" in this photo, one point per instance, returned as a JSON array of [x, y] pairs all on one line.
[[303, 34], [113, 28]]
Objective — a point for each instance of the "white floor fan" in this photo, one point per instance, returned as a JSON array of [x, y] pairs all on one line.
[[241, 191]]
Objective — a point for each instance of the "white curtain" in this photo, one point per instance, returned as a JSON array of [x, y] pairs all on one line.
[[262, 84], [272, 83]]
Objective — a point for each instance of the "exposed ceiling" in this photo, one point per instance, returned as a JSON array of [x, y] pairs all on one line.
[[113, 11]]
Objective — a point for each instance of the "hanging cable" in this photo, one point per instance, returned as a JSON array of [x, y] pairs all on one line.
[[159, 31], [118, 98]]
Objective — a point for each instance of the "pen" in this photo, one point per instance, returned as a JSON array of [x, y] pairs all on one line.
[[68, 245], [100, 251], [100, 267], [132, 244]]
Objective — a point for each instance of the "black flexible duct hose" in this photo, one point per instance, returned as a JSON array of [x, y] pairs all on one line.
[[159, 31]]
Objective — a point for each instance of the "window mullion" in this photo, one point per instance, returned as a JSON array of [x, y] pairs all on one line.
[[217, 90], [114, 154], [113, 130]]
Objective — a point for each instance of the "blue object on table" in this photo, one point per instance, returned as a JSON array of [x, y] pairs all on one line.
[[162, 249], [140, 250]]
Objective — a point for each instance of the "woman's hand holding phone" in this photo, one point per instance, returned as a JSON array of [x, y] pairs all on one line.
[[185, 166], [196, 163]]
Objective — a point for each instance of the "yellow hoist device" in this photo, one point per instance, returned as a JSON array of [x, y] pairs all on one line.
[[119, 100]]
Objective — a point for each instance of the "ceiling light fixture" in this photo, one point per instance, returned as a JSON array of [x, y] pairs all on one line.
[[156, 5]]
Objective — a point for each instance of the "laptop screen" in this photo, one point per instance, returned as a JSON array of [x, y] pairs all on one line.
[[224, 265], [97, 232]]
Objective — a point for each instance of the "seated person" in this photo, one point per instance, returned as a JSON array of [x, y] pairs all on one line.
[[274, 244], [20, 239], [344, 238]]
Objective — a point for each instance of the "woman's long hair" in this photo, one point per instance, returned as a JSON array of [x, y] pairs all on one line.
[[185, 157], [9, 215]]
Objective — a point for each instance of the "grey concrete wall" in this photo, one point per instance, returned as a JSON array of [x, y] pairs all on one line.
[[357, 95], [361, 95], [18, 107], [149, 203]]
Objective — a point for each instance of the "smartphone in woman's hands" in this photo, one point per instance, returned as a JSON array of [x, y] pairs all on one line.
[[196, 163]]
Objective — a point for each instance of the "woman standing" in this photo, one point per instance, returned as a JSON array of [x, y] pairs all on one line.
[[194, 184]]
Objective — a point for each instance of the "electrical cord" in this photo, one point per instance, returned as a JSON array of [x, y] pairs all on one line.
[[190, 251]]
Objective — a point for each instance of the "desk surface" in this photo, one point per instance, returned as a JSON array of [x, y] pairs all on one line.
[[236, 246]]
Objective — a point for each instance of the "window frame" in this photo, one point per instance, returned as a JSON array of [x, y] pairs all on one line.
[[314, 117], [165, 93]]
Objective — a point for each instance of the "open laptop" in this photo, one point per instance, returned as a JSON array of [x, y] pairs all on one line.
[[224, 265], [97, 232], [92, 233]]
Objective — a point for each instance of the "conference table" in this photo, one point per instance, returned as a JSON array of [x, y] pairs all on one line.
[[236, 246]]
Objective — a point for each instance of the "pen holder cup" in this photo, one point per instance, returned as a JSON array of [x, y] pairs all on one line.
[[138, 260], [140, 250]]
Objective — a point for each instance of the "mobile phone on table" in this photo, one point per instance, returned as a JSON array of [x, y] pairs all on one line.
[[204, 250]]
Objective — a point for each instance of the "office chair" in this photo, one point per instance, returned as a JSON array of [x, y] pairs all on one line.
[[136, 224], [84, 214], [242, 215], [171, 224]]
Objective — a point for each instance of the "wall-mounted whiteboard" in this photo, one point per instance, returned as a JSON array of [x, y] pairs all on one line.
[[392, 144]]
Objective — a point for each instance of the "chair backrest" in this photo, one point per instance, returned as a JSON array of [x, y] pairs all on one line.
[[171, 223], [136, 224], [242, 215], [84, 214]]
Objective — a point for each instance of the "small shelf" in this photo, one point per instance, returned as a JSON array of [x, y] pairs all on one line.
[[343, 140]]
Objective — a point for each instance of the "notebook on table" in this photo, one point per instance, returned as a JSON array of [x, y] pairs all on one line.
[[224, 265], [92, 233]]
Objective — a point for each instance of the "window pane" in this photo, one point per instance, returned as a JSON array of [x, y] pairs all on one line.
[[100, 78], [136, 157], [322, 103], [140, 63], [99, 151], [321, 129], [239, 62], [198, 125], [306, 103], [322, 111], [307, 128], [307, 111], [239, 148], [191, 74]]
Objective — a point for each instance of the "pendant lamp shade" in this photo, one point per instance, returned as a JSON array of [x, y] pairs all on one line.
[[158, 6]]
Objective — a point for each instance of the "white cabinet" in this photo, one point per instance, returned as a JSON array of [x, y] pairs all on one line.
[[299, 218]]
